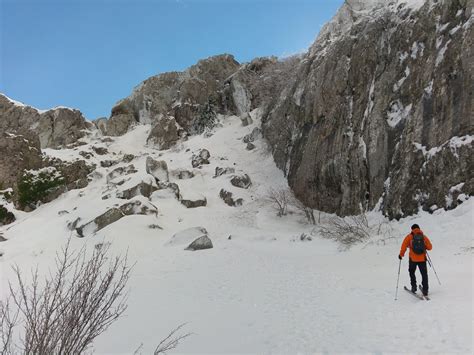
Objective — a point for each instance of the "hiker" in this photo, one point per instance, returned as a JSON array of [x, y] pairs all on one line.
[[418, 244]]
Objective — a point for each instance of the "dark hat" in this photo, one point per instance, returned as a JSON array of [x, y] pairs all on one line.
[[415, 226]]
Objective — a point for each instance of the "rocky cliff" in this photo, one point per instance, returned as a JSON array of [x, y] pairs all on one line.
[[56, 127], [380, 110]]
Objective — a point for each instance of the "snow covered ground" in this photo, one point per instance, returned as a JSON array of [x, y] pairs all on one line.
[[263, 290]]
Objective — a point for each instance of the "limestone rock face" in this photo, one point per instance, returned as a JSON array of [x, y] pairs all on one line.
[[55, 128], [17, 153], [164, 134], [183, 96], [371, 113]]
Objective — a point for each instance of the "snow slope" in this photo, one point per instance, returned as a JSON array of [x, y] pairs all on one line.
[[263, 290]]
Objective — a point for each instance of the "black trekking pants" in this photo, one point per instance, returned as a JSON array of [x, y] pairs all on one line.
[[424, 274]]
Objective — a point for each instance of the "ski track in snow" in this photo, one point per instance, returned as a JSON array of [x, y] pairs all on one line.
[[260, 291]]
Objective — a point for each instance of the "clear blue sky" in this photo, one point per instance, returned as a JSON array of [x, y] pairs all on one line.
[[88, 54]]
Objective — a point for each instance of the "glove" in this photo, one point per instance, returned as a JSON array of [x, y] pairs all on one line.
[[400, 257]]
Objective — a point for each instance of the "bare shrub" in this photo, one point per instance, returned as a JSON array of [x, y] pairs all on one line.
[[307, 211], [73, 305], [8, 320], [280, 200], [348, 230]]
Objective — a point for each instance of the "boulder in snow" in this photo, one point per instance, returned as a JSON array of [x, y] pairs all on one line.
[[158, 169], [201, 158], [194, 200], [229, 200], [143, 189], [203, 242], [242, 181], [136, 207], [254, 135], [222, 171], [114, 176]]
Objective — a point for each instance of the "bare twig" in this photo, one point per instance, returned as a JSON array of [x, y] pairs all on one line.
[[280, 200], [171, 341]]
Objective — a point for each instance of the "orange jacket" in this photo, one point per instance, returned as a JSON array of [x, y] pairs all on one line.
[[407, 242]]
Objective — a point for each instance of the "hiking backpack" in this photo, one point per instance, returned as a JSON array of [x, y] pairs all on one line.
[[418, 244]]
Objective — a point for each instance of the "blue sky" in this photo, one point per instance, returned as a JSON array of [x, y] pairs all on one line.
[[88, 54]]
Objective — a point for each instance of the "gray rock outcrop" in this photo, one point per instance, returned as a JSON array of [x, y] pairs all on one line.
[[55, 128], [185, 96], [18, 152], [165, 133], [369, 114]]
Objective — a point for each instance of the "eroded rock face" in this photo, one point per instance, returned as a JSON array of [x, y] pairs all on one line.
[[55, 128], [164, 134], [17, 153], [373, 93], [180, 95]]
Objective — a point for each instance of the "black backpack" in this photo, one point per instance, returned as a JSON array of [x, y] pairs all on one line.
[[418, 244]]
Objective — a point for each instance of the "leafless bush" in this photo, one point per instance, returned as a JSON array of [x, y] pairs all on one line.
[[67, 310], [308, 211], [348, 230], [8, 320], [280, 200]]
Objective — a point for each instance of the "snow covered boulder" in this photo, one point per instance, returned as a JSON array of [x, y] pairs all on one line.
[[164, 134], [201, 243], [184, 174], [229, 200], [250, 146], [254, 135], [194, 200], [115, 177], [158, 169], [141, 189], [171, 187], [222, 171], [195, 238], [108, 163], [136, 207], [242, 181], [6, 217], [201, 158], [100, 150]]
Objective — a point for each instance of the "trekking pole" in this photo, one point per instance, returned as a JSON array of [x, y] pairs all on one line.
[[398, 278], [431, 264]]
